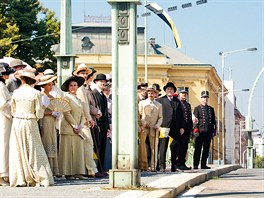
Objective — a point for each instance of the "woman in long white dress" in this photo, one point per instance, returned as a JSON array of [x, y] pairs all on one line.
[[28, 162], [48, 125], [5, 123]]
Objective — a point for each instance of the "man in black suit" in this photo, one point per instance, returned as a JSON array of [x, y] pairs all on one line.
[[102, 122], [172, 119], [203, 130], [188, 126]]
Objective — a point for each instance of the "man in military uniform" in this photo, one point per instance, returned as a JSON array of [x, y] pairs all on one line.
[[188, 126], [204, 130]]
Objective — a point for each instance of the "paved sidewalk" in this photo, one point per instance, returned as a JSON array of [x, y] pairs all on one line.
[[153, 185], [237, 184]]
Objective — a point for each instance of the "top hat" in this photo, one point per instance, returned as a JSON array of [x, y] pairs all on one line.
[[46, 79], [65, 85], [17, 63], [82, 67], [157, 87], [170, 84], [5, 69], [100, 77], [205, 94], [183, 89], [48, 72]]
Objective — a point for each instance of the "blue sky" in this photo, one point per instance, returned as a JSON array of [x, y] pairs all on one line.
[[205, 30]]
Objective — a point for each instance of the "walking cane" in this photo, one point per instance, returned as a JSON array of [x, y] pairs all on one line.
[[155, 150]]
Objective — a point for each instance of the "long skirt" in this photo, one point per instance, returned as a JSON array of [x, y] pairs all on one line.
[[5, 124], [28, 161], [71, 155], [49, 140]]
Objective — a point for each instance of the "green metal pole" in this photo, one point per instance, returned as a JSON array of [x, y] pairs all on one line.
[[124, 172], [114, 87]]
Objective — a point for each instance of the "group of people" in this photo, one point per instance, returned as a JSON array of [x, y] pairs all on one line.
[[168, 121], [41, 141], [50, 132]]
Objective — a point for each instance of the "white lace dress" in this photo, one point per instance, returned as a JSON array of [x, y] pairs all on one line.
[[28, 161]]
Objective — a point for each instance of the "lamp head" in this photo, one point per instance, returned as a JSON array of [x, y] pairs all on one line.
[[252, 49], [245, 89]]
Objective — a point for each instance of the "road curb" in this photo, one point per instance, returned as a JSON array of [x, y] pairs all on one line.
[[173, 185]]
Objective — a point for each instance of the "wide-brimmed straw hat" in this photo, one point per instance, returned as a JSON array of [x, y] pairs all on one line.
[[82, 67], [48, 72], [46, 79], [65, 85], [152, 88], [17, 63], [26, 73]]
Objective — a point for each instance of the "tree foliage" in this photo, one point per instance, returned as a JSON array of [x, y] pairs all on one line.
[[259, 162], [8, 34], [38, 30]]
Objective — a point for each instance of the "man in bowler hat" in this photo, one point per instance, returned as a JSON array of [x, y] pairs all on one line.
[[102, 122], [172, 119], [203, 130]]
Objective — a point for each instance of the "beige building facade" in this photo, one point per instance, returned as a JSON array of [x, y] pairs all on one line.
[[92, 46]]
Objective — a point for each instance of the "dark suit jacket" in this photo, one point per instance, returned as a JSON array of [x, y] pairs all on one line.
[[206, 118], [101, 102], [172, 115]]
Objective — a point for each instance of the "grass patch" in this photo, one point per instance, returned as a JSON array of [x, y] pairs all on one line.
[[215, 177]]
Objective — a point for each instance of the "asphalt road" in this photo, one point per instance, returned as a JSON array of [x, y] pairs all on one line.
[[239, 183]]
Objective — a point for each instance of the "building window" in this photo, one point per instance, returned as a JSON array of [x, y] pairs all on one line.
[[86, 44]]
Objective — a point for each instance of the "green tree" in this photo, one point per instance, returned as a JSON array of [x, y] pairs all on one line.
[[38, 30], [259, 162], [8, 34]]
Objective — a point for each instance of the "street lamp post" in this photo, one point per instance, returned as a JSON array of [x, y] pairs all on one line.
[[218, 120], [249, 125], [223, 54]]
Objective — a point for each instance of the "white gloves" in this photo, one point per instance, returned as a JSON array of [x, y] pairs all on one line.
[[194, 119], [55, 114], [45, 101]]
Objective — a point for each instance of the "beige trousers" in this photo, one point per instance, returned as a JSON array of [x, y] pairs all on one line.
[[90, 164], [153, 136], [142, 151]]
